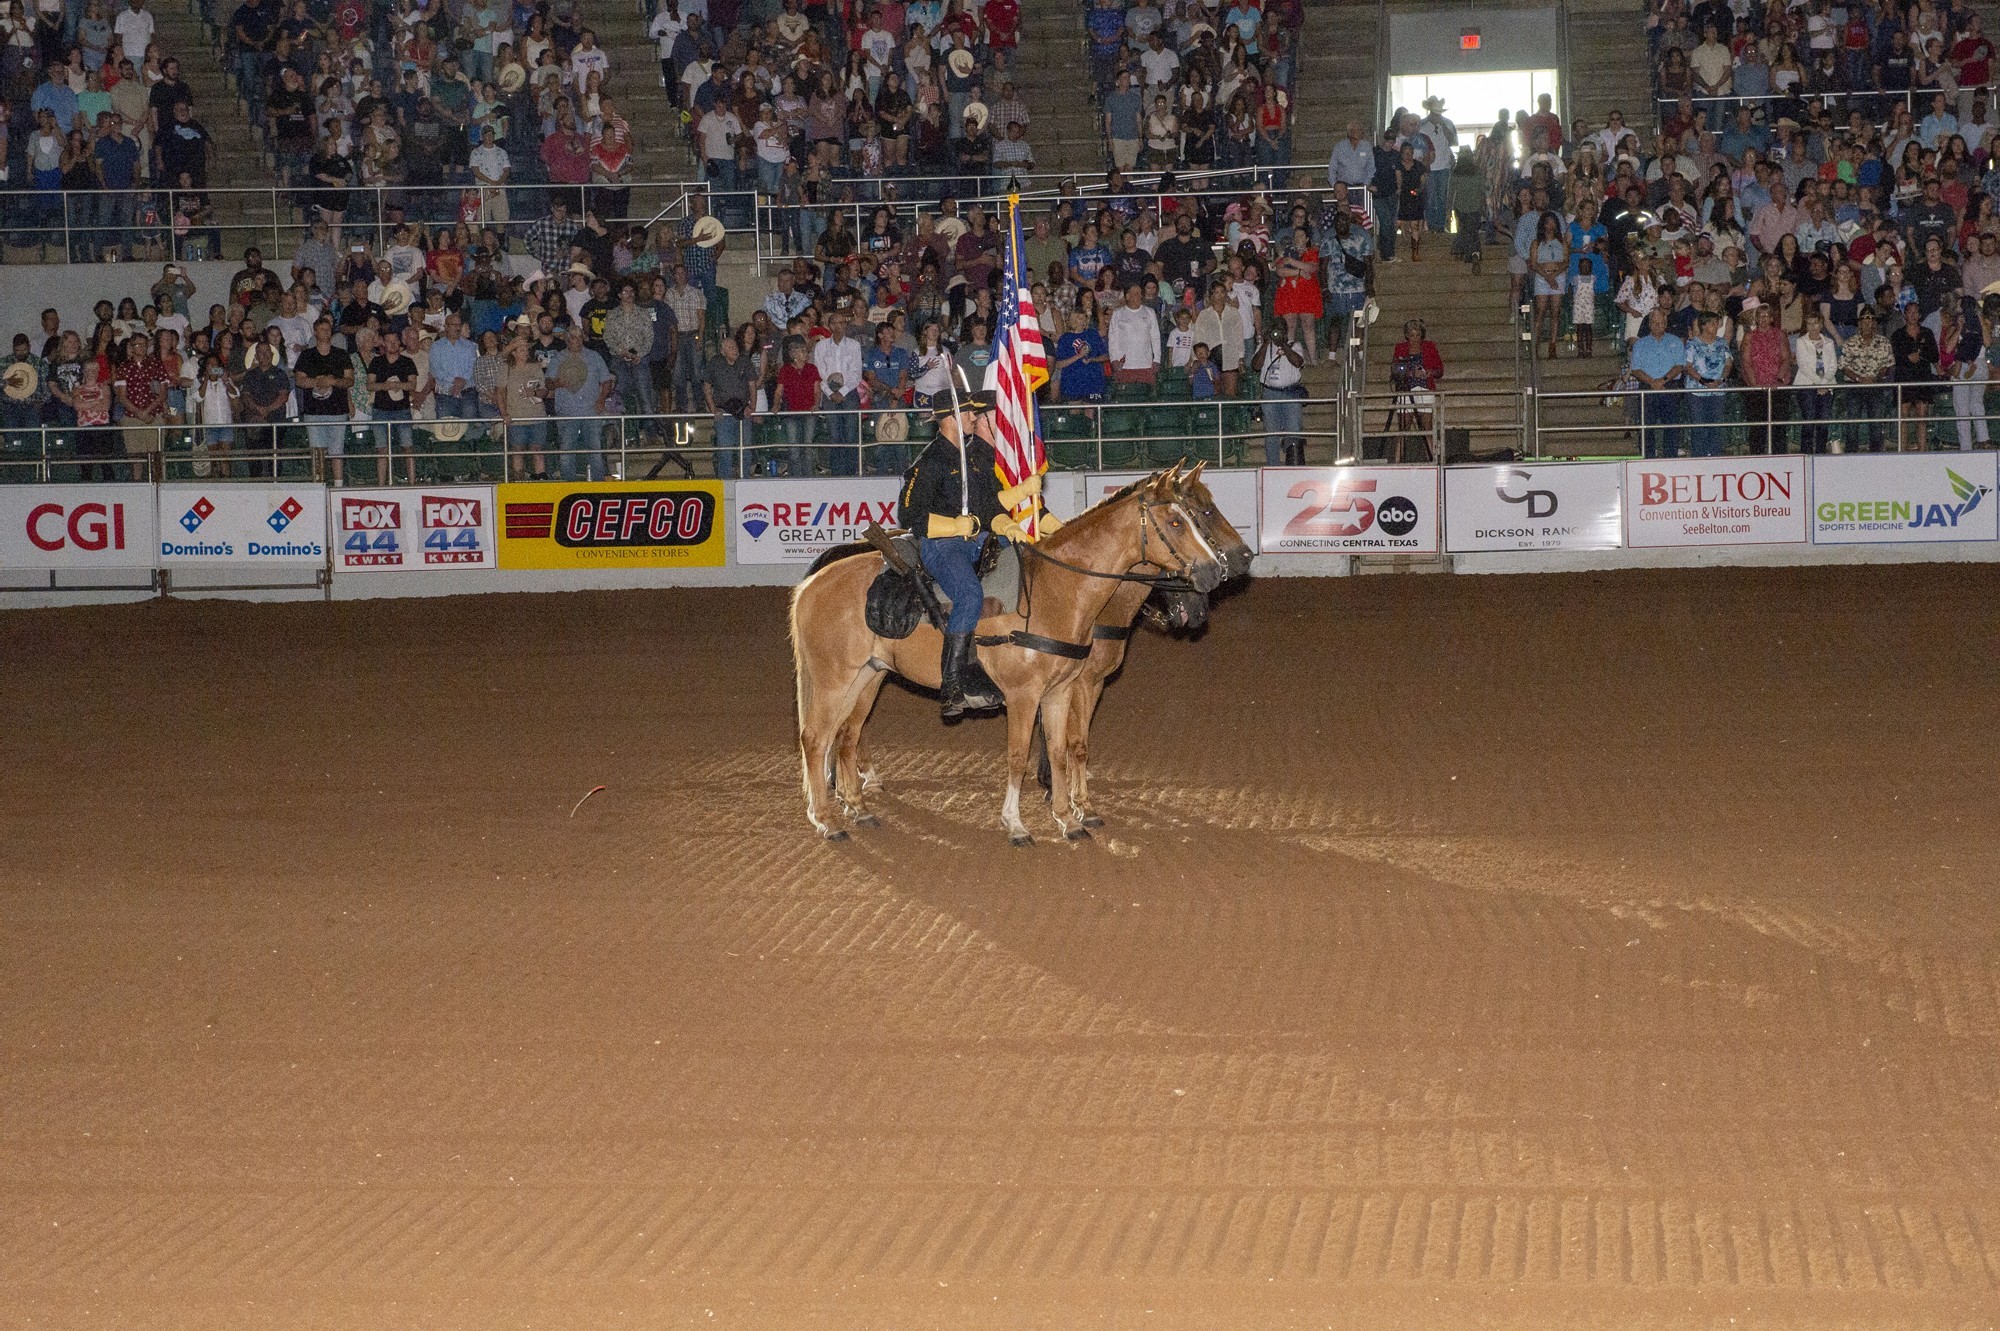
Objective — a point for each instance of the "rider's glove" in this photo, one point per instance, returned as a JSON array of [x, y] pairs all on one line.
[[942, 527]]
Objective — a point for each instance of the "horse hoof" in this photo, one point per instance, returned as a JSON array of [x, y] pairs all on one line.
[[1022, 840], [1079, 834], [867, 820], [834, 834], [1092, 820]]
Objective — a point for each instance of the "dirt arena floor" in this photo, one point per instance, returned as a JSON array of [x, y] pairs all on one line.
[[1551, 952]]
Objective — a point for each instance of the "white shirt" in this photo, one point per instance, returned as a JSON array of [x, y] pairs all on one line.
[[838, 356], [1160, 66], [664, 29], [1135, 338], [582, 62], [1277, 370], [489, 163], [1816, 361], [135, 29], [716, 129]]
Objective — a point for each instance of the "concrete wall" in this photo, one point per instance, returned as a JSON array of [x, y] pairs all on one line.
[[1426, 41]]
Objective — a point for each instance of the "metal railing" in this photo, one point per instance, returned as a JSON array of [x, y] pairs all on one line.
[[1079, 436], [1872, 102], [1895, 417]]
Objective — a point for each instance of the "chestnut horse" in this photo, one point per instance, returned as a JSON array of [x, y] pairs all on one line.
[[1069, 707], [1067, 580]]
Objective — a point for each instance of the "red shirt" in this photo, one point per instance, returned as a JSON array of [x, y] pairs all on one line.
[[1433, 362], [1003, 22], [1972, 55], [567, 157], [798, 387]]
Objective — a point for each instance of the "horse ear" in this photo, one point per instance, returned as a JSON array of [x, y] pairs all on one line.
[[1195, 475]]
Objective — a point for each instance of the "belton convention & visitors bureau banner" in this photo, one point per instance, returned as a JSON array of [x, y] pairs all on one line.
[[611, 524], [1716, 501]]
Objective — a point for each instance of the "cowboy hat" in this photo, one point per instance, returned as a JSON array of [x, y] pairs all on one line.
[[951, 228], [580, 269], [396, 298], [21, 379], [960, 62], [512, 78], [1990, 289], [1433, 103], [707, 233], [448, 432], [978, 115]]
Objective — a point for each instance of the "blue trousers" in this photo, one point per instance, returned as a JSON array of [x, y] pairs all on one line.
[[954, 562]]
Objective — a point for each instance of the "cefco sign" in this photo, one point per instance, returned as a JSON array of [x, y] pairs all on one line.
[[1539, 506], [793, 522], [435, 527], [1235, 495], [233, 523], [1715, 501], [1349, 510], [77, 526], [1867, 500]]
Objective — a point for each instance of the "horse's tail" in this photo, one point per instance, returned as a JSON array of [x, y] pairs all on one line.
[[801, 668]]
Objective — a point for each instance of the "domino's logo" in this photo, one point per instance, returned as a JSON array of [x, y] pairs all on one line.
[[198, 513], [281, 517]]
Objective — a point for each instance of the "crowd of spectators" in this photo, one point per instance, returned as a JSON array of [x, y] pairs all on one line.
[[1145, 296], [1197, 85]]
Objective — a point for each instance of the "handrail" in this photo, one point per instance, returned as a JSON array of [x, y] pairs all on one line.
[[1564, 63]]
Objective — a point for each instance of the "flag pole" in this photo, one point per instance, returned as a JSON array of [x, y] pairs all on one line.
[[1034, 526]]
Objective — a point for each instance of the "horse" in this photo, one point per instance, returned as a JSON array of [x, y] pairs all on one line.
[[1070, 706], [1067, 580]]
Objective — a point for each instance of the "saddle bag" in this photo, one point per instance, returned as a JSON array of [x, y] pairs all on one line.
[[895, 605]]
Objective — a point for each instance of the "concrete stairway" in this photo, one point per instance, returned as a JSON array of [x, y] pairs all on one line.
[[1472, 322], [1337, 77], [658, 145], [1051, 73], [1608, 67]]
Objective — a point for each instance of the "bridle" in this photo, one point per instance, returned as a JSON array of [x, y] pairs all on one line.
[[1177, 576]]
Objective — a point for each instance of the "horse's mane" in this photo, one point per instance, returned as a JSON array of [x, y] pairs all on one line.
[[1101, 506]]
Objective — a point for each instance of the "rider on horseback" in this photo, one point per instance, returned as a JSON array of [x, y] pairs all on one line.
[[953, 501]]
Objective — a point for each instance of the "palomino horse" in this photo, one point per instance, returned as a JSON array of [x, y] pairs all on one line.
[[1069, 707], [1067, 580]]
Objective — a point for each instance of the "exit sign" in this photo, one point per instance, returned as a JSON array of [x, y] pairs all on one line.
[[1468, 40]]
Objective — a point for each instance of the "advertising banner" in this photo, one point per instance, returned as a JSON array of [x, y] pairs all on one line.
[[1349, 510], [1534, 506], [1879, 498], [78, 526], [793, 522], [1235, 495], [431, 527], [611, 524], [1715, 501], [236, 523]]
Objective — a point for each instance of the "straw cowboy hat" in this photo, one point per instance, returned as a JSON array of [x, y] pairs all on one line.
[[707, 233], [960, 62], [21, 380], [512, 78], [396, 299], [951, 228], [448, 432], [580, 269]]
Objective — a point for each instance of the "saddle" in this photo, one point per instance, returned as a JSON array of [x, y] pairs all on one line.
[[904, 594]]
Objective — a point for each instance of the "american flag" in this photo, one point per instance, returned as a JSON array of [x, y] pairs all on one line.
[[1020, 365]]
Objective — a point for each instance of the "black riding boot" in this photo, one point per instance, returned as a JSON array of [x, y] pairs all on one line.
[[965, 686]]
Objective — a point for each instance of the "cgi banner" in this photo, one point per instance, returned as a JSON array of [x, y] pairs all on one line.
[[611, 524], [793, 522], [1349, 510], [431, 527], [1715, 501], [1235, 495], [78, 527], [235, 523], [1534, 506], [1866, 499]]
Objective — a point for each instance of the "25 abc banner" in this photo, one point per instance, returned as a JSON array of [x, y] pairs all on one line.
[[236, 523], [110, 526], [1534, 506], [1235, 495], [431, 527], [1349, 510], [794, 522], [611, 524]]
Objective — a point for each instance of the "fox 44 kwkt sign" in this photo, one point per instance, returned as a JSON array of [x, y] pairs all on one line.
[[431, 527]]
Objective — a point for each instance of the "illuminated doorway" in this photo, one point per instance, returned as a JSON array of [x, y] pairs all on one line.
[[1474, 102]]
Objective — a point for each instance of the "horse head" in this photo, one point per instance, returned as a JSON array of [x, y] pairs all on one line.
[[1173, 539], [1221, 533]]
